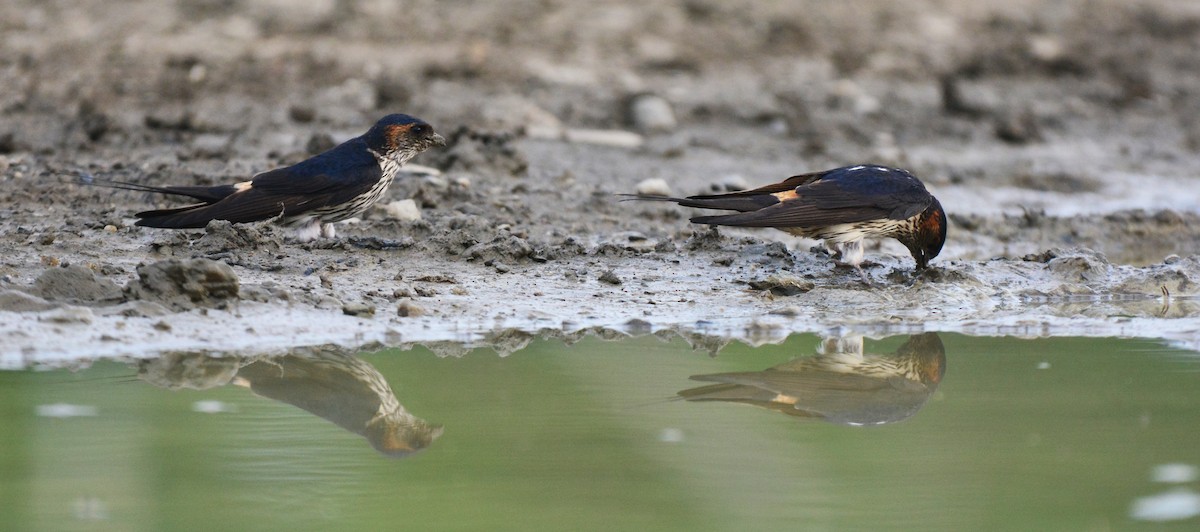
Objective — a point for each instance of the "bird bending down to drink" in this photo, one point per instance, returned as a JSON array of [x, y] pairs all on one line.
[[842, 206]]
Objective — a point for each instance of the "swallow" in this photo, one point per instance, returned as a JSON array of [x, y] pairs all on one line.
[[308, 196], [840, 384], [842, 206], [338, 387]]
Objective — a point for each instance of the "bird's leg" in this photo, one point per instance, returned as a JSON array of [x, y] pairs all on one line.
[[328, 230], [862, 274], [309, 230], [852, 256]]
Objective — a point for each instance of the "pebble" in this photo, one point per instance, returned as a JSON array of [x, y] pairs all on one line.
[[17, 301], [610, 277], [653, 187], [604, 137], [358, 309], [405, 209], [71, 314], [650, 112], [408, 309], [734, 183]]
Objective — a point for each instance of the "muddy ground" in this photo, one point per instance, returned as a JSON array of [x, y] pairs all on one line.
[[1063, 139]]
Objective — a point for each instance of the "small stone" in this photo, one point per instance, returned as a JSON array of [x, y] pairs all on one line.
[[1018, 128], [71, 314], [734, 183], [408, 309], [610, 277], [302, 113], [75, 283], [110, 228], [604, 137], [790, 311], [361, 310], [404, 210], [185, 284], [1046, 49], [783, 285], [653, 187], [162, 326], [650, 112], [17, 301]]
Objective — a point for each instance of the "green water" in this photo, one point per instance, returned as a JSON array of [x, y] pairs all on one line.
[[1005, 434]]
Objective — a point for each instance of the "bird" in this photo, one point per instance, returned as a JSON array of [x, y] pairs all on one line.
[[325, 381], [309, 196], [842, 206], [840, 384]]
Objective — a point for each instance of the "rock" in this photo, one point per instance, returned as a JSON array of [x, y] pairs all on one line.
[[502, 247], [789, 311], [75, 284], [18, 301], [733, 183], [1018, 128], [783, 285], [405, 210], [604, 137], [653, 187], [361, 310], [185, 284], [408, 309], [650, 112], [135, 309], [320, 142], [71, 314], [302, 113], [610, 277], [1079, 265]]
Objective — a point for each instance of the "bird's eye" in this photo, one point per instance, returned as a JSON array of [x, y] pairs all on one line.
[[420, 129]]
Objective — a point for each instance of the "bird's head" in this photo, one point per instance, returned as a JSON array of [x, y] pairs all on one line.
[[924, 356], [926, 241], [401, 136]]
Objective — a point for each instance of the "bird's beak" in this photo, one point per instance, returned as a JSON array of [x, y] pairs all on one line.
[[922, 260], [437, 140]]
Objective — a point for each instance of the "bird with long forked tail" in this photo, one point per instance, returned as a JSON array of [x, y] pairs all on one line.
[[309, 196], [842, 206], [841, 384]]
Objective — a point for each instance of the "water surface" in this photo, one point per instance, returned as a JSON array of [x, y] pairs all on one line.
[[942, 432]]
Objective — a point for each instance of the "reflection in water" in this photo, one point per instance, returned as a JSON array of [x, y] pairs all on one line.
[[341, 388], [840, 384]]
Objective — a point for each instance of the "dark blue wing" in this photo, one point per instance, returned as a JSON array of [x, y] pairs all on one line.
[[331, 178], [843, 195]]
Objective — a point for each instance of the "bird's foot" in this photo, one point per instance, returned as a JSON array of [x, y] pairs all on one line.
[[862, 274]]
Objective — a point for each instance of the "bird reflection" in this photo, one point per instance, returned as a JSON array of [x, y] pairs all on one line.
[[840, 384], [341, 388]]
